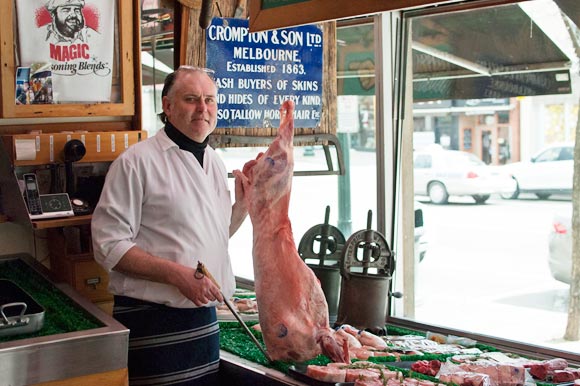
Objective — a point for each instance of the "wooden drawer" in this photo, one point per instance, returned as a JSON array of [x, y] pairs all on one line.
[[71, 261], [90, 279]]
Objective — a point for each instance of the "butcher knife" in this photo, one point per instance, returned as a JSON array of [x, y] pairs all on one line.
[[203, 270]]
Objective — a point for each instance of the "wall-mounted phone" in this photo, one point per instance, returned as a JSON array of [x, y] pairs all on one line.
[[74, 150], [43, 206]]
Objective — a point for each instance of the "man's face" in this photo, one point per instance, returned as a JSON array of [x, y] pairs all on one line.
[[191, 105], [69, 20]]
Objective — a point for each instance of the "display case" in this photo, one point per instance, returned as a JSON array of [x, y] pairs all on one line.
[[90, 349]]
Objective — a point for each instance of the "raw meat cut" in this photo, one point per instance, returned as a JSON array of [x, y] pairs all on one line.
[[466, 378], [364, 337], [293, 310], [326, 373], [560, 376], [500, 374], [363, 374], [543, 369], [427, 367]]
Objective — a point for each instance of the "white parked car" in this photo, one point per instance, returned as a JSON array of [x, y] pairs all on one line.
[[440, 173], [560, 246], [420, 233], [550, 171]]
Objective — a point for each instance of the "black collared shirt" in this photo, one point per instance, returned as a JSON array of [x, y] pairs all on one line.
[[186, 143]]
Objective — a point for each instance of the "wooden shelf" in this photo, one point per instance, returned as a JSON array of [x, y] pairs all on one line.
[[100, 146], [62, 222]]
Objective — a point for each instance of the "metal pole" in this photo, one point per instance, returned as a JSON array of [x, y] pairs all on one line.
[[344, 205]]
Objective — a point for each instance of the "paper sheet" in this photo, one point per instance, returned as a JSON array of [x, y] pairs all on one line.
[[25, 149]]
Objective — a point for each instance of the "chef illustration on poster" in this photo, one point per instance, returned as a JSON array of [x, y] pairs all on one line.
[[75, 38]]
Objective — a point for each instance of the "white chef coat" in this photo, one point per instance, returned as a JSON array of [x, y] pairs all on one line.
[[159, 197]]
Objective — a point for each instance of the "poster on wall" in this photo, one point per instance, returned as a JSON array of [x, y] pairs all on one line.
[[256, 72], [72, 42]]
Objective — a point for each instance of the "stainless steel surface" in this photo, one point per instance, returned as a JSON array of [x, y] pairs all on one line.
[[63, 356]]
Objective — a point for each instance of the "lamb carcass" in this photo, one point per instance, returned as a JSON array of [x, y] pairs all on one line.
[[293, 310]]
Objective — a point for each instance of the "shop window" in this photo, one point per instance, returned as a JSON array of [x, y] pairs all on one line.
[[490, 267]]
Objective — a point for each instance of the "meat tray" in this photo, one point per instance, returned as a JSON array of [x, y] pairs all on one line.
[[19, 312]]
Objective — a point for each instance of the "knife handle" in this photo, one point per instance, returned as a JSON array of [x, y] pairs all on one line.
[[203, 270]]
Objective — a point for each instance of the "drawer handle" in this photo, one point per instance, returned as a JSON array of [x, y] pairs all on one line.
[[93, 282]]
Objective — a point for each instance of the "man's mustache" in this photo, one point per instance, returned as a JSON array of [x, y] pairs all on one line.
[[73, 19]]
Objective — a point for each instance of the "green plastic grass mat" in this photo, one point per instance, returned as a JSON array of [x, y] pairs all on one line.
[[234, 339], [61, 314]]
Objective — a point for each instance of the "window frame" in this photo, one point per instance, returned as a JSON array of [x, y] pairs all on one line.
[[405, 194]]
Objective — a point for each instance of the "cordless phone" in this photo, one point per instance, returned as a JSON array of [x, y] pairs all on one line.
[[32, 195]]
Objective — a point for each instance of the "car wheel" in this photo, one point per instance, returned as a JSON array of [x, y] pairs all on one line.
[[438, 193], [543, 196], [480, 198], [512, 196]]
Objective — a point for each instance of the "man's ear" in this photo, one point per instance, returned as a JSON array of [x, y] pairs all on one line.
[[165, 104]]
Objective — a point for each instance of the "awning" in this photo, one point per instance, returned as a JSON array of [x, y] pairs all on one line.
[[495, 52], [155, 68]]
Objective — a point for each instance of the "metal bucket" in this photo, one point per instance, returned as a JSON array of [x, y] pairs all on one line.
[[366, 280], [364, 302], [324, 260], [330, 282]]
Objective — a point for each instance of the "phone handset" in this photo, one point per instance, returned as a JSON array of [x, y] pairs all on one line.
[[32, 194]]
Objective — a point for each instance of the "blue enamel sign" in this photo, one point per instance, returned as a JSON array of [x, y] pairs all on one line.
[[257, 71]]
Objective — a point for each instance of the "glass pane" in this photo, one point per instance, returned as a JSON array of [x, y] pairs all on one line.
[[494, 85], [349, 197], [156, 59]]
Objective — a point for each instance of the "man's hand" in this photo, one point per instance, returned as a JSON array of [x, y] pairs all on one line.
[[239, 208], [138, 263], [197, 287]]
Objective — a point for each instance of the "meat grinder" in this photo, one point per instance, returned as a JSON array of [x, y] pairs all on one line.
[[366, 279], [324, 260]]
